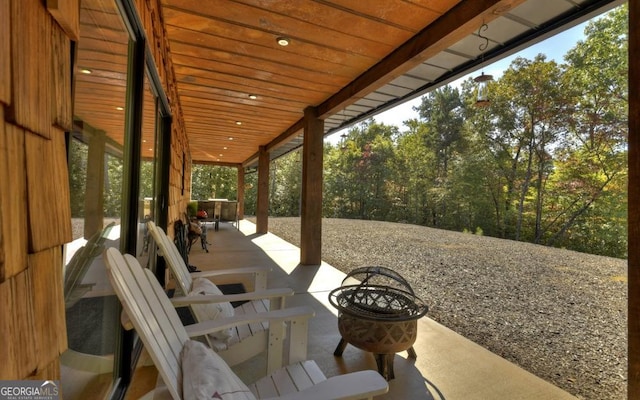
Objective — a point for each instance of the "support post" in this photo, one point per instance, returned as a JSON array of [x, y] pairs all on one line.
[[240, 193], [262, 209], [633, 334], [311, 207]]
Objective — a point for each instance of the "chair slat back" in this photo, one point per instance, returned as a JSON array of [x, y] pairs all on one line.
[[155, 320], [172, 256]]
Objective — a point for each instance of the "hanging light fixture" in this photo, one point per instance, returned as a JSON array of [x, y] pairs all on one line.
[[482, 98], [343, 136]]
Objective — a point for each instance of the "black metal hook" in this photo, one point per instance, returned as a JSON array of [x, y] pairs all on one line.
[[483, 46]]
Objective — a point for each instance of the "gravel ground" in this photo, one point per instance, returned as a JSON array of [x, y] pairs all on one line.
[[559, 314]]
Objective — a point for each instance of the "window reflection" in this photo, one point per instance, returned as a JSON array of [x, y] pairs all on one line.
[[96, 178]]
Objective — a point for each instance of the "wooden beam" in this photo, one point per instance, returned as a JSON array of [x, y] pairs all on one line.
[[281, 140], [311, 210], [240, 193], [453, 26], [262, 209], [633, 230], [219, 164]]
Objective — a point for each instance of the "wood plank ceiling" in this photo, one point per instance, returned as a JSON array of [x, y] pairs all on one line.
[[226, 52], [349, 58], [239, 89]]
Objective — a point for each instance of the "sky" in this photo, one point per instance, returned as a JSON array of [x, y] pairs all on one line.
[[554, 48]]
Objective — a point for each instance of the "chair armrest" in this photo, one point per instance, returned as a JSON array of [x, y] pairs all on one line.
[[287, 314], [206, 299], [230, 271], [126, 321], [260, 272], [356, 385]]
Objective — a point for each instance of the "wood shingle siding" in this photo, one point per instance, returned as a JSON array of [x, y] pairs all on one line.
[[35, 221], [5, 48], [13, 199], [31, 101]]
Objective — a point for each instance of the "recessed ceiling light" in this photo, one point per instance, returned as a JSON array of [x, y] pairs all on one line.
[[224, 148], [221, 155], [238, 122], [283, 41], [86, 71], [230, 138], [119, 108], [253, 96]]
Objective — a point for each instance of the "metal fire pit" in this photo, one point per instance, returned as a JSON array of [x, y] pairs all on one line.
[[377, 312]]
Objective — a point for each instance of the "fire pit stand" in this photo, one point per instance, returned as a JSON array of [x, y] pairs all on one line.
[[377, 312]]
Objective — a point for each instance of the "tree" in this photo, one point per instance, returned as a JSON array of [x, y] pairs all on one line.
[[442, 113], [213, 182], [286, 185], [357, 177], [594, 155]]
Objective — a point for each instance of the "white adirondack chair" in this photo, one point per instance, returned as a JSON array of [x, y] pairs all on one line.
[[244, 341], [165, 338]]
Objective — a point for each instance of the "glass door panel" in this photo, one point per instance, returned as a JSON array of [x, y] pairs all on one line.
[[96, 177], [148, 167]]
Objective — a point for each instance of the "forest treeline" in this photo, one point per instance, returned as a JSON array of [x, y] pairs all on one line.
[[544, 162]]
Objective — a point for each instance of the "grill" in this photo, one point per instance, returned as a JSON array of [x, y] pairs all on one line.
[[377, 312]]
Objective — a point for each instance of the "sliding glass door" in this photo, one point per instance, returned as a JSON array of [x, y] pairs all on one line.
[[120, 117]]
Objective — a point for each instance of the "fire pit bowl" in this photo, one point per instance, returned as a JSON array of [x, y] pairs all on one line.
[[377, 312]]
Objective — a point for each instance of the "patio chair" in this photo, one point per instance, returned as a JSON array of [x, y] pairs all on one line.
[[189, 369], [238, 343]]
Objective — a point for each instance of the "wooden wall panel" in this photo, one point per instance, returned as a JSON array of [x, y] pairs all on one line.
[[13, 199], [50, 326], [7, 350], [67, 14], [5, 50], [49, 372], [17, 327], [3, 167], [31, 31], [47, 192], [61, 107]]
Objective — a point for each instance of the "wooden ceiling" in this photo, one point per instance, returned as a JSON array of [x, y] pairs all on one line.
[[239, 89], [226, 51]]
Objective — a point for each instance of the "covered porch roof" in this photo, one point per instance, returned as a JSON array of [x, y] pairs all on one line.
[[240, 89]]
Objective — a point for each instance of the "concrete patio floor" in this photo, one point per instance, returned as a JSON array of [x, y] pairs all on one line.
[[448, 366]]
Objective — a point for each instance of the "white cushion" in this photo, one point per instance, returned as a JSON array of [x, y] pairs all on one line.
[[204, 312], [206, 376]]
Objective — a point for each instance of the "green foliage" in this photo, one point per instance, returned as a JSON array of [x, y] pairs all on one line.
[[250, 193], [213, 182], [192, 208], [357, 177], [113, 187], [286, 184], [77, 176]]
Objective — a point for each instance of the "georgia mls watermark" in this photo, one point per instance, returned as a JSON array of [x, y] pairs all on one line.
[[30, 390]]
